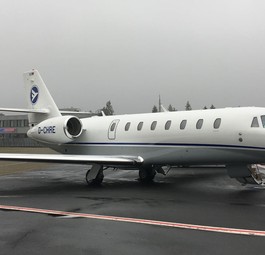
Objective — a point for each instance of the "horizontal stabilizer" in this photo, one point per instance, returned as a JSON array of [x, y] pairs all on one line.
[[43, 111], [73, 159], [74, 113]]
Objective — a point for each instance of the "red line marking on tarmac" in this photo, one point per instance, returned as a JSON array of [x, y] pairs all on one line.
[[248, 232]]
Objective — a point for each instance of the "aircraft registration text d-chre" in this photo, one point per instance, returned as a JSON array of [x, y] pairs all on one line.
[[47, 130]]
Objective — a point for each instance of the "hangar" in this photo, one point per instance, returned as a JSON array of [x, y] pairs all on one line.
[[13, 131]]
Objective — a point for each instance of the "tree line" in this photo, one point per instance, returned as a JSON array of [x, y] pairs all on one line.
[[109, 110], [187, 107]]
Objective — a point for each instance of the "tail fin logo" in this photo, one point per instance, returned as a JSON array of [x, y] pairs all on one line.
[[34, 94]]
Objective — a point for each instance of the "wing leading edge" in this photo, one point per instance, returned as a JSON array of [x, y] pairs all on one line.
[[74, 159]]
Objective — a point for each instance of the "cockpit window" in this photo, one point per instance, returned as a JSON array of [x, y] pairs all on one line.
[[255, 122], [263, 120]]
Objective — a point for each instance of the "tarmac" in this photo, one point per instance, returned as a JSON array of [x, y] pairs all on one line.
[[51, 210]]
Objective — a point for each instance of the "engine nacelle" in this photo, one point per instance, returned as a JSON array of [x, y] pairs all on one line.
[[57, 130]]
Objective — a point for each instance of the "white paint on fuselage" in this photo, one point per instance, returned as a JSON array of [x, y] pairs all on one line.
[[234, 141]]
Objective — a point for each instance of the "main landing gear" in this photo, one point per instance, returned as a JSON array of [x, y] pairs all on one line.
[[148, 173], [95, 176]]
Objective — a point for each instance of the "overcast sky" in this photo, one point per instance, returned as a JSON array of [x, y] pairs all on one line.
[[130, 51]]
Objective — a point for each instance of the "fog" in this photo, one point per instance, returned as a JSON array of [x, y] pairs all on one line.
[[130, 52]]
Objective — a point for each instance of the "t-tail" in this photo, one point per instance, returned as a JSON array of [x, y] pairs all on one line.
[[47, 125], [39, 99], [46, 122]]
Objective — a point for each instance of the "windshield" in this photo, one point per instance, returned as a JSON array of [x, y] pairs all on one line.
[[263, 120], [255, 122]]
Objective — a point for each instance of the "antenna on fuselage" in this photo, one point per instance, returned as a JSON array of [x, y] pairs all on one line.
[[159, 104], [161, 108]]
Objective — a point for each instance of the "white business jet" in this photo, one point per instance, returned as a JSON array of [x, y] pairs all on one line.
[[233, 137]]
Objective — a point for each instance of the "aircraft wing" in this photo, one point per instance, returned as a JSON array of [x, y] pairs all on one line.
[[74, 159]]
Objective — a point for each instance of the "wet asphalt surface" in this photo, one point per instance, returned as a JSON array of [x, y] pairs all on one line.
[[196, 196]]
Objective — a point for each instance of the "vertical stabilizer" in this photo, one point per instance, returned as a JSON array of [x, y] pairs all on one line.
[[39, 98]]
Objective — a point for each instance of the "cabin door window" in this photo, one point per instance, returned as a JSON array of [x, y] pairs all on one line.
[[112, 129]]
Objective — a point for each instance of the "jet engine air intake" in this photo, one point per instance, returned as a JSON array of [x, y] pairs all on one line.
[[58, 130], [73, 127]]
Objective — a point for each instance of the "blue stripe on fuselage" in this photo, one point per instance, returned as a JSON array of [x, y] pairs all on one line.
[[167, 145]]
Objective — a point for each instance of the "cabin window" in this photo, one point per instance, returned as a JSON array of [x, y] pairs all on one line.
[[199, 124], [153, 125], [127, 126], [217, 123], [167, 125], [263, 120], [255, 122], [112, 128], [183, 124], [140, 126]]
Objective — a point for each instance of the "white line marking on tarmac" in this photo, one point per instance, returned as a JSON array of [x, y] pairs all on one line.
[[248, 232]]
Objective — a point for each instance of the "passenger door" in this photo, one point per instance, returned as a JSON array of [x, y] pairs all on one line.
[[112, 129]]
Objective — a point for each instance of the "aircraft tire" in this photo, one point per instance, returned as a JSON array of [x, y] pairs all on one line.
[[97, 181], [147, 174]]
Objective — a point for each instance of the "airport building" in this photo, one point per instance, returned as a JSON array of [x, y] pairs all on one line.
[[13, 130]]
